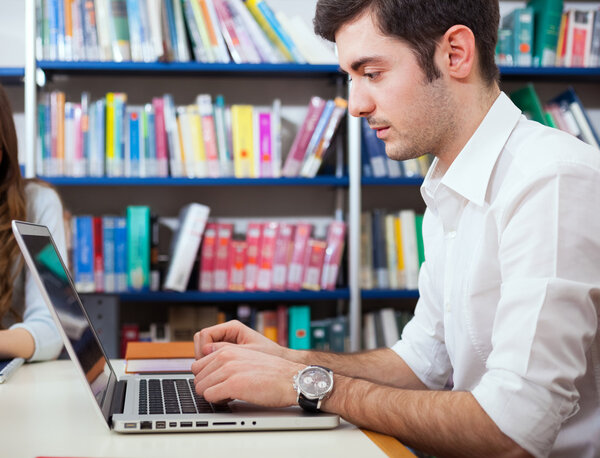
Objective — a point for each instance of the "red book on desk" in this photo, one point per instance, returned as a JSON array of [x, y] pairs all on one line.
[[159, 357]]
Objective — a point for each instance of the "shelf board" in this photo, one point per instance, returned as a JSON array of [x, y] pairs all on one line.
[[186, 68], [255, 296], [389, 293], [572, 73], [11, 75], [326, 180], [386, 181]]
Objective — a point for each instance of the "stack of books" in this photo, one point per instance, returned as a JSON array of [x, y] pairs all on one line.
[[205, 139], [541, 34], [220, 31]]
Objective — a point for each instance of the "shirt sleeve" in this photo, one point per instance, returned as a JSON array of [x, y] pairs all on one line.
[[45, 208], [546, 318], [422, 345]]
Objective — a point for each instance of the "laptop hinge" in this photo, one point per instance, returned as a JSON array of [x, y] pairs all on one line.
[[118, 399]]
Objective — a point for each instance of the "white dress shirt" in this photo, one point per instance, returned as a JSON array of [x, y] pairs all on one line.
[[510, 290], [43, 207]]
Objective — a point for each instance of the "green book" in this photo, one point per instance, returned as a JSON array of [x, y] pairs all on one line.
[[299, 327], [520, 20], [420, 246], [138, 247], [319, 332], [505, 48], [529, 103], [546, 23]]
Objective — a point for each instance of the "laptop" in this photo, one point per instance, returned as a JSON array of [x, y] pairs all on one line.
[[139, 403]]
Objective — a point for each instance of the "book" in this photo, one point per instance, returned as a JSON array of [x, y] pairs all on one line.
[[295, 156], [375, 150], [391, 251], [108, 250], [299, 327], [569, 99], [546, 24], [237, 265], [336, 236], [264, 279], [281, 257], [119, 30], [120, 254], [380, 264], [388, 325], [296, 267], [138, 247], [243, 141], [185, 244], [313, 264], [83, 253], [529, 103], [410, 248], [225, 154], [367, 280], [579, 38], [520, 20], [207, 258], [205, 108], [221, 269], [159, 357], [253, 246]]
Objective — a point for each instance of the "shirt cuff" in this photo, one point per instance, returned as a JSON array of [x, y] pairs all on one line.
[[527, 413], [46, 347]]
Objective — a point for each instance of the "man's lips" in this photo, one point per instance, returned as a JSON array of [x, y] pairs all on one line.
[[381, 131]]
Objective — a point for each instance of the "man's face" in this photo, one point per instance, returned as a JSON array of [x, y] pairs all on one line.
[[411, 115]]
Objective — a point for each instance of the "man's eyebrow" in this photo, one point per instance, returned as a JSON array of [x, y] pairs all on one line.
[[357, 64]]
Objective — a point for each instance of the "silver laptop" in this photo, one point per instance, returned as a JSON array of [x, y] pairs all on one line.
[[139, 404]]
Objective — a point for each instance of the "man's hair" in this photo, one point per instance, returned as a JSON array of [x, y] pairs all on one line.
[[420, 23]]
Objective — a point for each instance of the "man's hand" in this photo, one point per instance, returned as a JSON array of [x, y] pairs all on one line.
[[213, 338], [237, 372]]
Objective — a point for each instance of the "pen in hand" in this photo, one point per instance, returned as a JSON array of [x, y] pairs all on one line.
[[8, 367]]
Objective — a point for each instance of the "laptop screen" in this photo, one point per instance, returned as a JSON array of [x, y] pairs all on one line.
[[70, 311]]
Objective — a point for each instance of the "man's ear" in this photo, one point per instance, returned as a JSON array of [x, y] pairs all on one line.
[[458, 52]]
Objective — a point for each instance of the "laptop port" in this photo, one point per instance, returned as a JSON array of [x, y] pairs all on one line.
[[161, 424], [186, 424], [201, 423], [130, 425], [224, 423], [172, 424], [146, 425]]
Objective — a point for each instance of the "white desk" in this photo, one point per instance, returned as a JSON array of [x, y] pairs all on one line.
[[45, 411]]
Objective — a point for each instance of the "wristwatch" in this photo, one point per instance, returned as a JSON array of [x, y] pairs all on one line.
[[313, 384]]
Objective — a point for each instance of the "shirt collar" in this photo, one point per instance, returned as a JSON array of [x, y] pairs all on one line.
[[470, 172]]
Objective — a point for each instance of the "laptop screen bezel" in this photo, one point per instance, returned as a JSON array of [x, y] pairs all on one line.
[[22, 228]]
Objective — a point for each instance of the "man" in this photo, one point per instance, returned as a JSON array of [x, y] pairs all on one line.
[[509, 292]]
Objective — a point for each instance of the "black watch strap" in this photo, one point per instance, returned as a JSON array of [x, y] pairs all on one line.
[[310, 405]]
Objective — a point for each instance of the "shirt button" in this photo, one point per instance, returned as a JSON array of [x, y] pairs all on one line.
[[451, 235]]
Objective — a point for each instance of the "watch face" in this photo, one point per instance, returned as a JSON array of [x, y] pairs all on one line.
[[315, 381]]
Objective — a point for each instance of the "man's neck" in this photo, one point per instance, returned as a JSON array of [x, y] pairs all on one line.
[[472, 108]]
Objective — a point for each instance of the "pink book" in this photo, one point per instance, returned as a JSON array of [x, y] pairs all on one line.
[[162, 154], [207, 258], [283, 253], [336, 235], [313, 264], [209, 134], [264, 145], [253, 243], [266, 255], [98, 255], [295, 272], [79, 160], [237, 265], [224, 234], [296, 155]]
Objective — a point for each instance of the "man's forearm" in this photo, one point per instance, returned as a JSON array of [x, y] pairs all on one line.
[[443, 423], [381, 366]]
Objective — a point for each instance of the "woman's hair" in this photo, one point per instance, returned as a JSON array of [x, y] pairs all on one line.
[[420, 23], [12, 206]]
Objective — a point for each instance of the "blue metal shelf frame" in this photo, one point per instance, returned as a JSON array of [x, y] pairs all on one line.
[[551, 72], [12, 75], [187, 67], [122, 181], [389, 294], [254, 296]]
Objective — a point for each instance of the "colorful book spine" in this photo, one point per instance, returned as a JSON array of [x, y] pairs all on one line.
[[138, 248], [98, 254], [281, 258], [299, 327], [237, 265], [336, 236], [83, 253], [295, 156], [243, 140], [121, 254], [224, 236], [296, 268], [263, 148], [209, 135], [207, 258], [160, 135], [266, 255], [225, 157], [108, 237], [313, 264], [253, 243]]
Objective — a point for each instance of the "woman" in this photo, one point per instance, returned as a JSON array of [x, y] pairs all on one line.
[[26, 327]]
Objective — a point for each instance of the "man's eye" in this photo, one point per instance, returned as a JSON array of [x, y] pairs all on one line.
[[371, 76]]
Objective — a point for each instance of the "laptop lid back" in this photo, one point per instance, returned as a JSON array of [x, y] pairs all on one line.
[[58, 290]]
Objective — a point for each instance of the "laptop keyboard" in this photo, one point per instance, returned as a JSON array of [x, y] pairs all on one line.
[[174, 396]]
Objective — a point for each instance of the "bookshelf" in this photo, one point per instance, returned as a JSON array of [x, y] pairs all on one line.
[[346, 191]]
